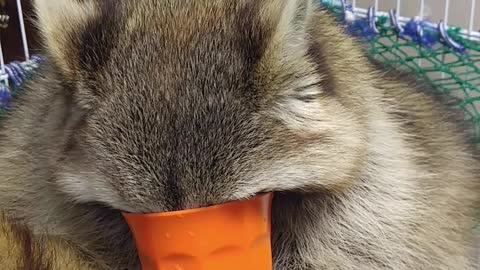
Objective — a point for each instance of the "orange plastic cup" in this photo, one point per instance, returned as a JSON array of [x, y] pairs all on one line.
[[231, 236]]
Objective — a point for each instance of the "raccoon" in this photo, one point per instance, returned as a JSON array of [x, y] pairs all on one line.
[[161, 105], [21, 249]]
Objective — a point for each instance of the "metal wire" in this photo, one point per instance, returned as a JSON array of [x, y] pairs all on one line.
[[2, 64], [472, 17], [22, 30]]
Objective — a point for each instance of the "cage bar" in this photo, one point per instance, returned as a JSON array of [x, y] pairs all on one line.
[[472, 17], [2, 66], [22, 30]]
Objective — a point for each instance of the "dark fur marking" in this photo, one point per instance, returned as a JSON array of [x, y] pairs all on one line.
[[306, 99], [173, 193], [71, 142], [32, 251], [254, 37], [99, 37], [316, 52]]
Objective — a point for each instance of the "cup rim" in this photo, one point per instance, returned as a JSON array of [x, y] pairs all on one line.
[[194, 210]]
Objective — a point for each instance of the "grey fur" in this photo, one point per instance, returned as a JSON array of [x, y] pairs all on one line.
[[150, 106]]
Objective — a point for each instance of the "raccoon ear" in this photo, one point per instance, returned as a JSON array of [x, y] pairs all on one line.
[[60, 23], [292, 17]]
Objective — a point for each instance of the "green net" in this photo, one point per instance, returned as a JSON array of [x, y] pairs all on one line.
[[452, 69]]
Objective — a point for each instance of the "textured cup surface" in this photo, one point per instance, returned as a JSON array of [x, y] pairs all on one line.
[[230, 236]]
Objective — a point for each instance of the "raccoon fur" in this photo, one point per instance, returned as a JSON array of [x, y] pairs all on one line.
[[160, 105], [21, 249]]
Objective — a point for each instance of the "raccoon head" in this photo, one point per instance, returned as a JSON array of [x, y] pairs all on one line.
[[195, 103]]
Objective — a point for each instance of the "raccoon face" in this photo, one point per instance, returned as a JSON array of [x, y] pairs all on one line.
[[194, 103]]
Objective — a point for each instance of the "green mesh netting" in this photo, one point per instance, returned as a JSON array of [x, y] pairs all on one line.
[[451, 71]]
